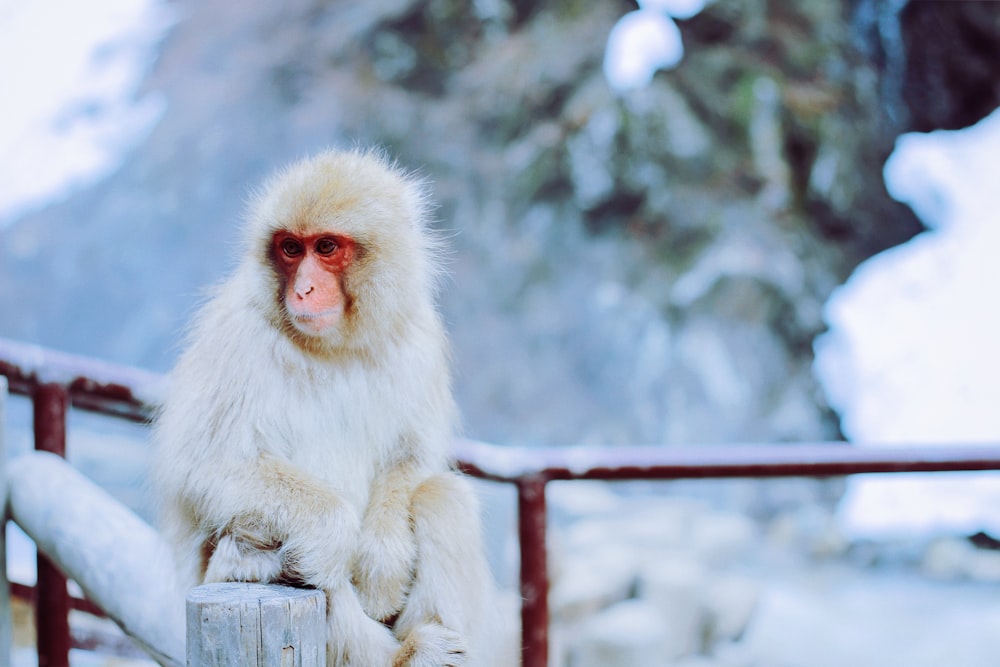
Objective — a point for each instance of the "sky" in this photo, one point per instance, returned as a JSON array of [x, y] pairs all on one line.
[[72, 106]]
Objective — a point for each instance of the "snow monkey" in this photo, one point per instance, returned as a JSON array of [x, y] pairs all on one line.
[[305, 436]]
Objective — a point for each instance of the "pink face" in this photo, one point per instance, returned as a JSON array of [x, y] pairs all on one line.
[[312, 270]]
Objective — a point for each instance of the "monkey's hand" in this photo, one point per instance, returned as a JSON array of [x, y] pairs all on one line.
[[320, 544], [244, 553], [384, 561]]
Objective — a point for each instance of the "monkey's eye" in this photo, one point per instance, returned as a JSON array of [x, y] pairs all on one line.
[[326, 246], [291, 248]]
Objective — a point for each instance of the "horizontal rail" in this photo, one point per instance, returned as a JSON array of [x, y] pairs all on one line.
[[96, 386], [829, 459]]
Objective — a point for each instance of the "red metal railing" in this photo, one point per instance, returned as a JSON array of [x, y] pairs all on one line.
[[531, 469], [50, 403], [56, 381]]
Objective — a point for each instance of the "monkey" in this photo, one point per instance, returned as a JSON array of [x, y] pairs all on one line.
[[305, 434]]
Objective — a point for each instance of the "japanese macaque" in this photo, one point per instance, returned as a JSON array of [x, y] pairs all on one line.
[[305, 437]]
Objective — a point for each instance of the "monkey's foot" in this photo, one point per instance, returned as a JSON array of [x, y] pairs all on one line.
[[355, 640], [233, 561], [431, 645], [372, 647]]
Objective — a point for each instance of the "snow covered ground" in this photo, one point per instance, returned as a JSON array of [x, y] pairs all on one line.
[[911, 355], [831, 616]]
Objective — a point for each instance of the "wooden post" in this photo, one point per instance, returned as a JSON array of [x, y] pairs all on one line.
[[235, 624], [5, 615]]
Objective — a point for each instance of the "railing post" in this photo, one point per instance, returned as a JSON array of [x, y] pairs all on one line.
[[5, 612], [531, 514], [50, 403], [236, 624]]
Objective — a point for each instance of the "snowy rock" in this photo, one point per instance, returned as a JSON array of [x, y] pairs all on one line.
[[641, 43], [657, 524], [811, 529], [910, 353], [952, 558], [589, 583], [676, 586], [723, 538], [583, 497], [731, 601], [629, 634]]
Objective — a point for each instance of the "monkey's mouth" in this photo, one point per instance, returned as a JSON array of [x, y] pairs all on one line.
[[315, 323]]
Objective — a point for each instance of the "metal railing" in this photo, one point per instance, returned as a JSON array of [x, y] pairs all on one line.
[[56, 381]]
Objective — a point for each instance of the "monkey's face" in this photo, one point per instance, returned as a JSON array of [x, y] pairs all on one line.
[[348, 262], [311, 273]]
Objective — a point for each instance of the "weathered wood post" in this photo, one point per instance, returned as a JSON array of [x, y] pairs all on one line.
[[117, 558], [5, 615], [234, 624]]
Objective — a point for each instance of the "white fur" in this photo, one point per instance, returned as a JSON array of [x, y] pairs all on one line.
[[323, 459]]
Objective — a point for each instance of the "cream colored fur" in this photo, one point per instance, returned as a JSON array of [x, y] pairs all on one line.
[[283, 457]]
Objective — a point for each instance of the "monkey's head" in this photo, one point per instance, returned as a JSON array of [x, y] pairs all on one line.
[[348, 261]]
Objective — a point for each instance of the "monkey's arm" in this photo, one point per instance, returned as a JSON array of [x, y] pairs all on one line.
[[386, 553], [274, 508], [271, 520]]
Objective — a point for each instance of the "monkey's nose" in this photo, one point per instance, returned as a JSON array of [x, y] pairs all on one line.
[[302, 293]]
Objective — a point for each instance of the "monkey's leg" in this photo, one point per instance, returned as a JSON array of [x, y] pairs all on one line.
[[451, 592], [314, 554], [318, 534], [355, 639]]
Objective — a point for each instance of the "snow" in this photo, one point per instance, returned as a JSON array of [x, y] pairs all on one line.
[[911, 355], [71, 72], [646, 40], [830, 616], [20, 556], [679, 9]]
